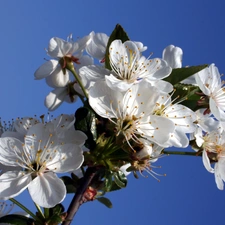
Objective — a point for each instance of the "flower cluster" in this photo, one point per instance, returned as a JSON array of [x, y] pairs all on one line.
[[210, 133], [130, 91], [134, 106]]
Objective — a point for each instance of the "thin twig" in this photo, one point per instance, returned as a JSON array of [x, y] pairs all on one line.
[[76, 201]]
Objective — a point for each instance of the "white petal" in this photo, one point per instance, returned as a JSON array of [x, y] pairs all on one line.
[[218, 179], [68, 158], [162, 85], [124, 169], [208, 79], [47, 190], [182, 116], [55, 98], [206, 162], [178, 139], [84, 60], [38, 137], [221, 166], [216, 110], [13, 135], [140, 46], [101, 40], [157, 130], [10, 151], [4, 169], [46, 69], [75, 136], [201, 79], [63, 122], [103, 99], [160, 69], [97, 46], [58, 47], [93, 73], [117, 84], [198, 136], [136, 98], [173, 55], [58, 78], [13, 183], [82, 43], [23, 125]]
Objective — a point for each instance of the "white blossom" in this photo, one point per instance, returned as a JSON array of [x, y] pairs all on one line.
[[45, 151], [132, 113], [55, 70], [128, 67], [214, 149], [209, 81]]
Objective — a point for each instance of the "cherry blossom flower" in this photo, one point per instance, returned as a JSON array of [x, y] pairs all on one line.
[[209, 81], [55, 70], [214, 150], [182, 117], [128, 67], [132, 113], [45, 151]]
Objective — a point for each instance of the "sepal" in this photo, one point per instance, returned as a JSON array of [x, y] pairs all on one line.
[[85, 121]]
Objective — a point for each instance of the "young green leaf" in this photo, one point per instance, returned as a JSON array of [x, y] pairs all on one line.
[[181, 74], [118, 33], [105, 201]]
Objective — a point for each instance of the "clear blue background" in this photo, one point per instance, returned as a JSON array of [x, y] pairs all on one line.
[[188, 194]]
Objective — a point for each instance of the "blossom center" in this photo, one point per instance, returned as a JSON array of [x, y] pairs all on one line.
[[127, 126]]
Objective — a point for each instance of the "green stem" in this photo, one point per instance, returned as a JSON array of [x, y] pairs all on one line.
[[182, 153], [46, 212], [72, 70], [24, 208], [82, 170], [39, 210]]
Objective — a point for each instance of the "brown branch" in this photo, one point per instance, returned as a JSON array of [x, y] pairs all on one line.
[[77, 199]]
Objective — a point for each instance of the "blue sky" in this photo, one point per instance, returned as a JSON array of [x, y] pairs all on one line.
[[188, 194]]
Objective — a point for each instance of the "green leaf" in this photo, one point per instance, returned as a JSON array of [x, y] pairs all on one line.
[[55, 214], [16, 219], [181, 74], [85, 121], [188, 94], [58, 209], [120, 179], [114, 187], [118, 33], [105, 201], [71, 185], [108, 183]]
